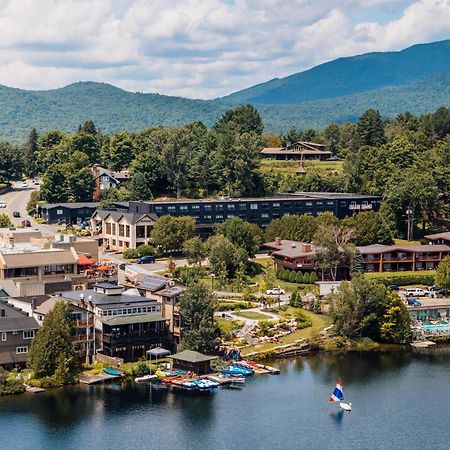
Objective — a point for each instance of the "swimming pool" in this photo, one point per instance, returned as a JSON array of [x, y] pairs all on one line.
[[436, 327]]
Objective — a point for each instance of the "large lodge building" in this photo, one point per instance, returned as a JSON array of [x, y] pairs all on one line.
[[129, 226]]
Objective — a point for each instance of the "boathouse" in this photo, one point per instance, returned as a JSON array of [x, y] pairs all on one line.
[[192, 362]]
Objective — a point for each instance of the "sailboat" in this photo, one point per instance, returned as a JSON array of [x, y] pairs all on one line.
[[338, 396]]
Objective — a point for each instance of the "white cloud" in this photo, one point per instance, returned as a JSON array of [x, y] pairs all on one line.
[[199, 48]]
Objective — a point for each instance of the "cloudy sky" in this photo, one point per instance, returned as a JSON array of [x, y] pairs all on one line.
[[199, 48]]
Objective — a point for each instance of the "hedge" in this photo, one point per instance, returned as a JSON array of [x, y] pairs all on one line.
[[407, 280]]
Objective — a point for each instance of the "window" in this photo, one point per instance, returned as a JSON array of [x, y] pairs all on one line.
[[276, 205], [28, 334], [231, 206], [319, 203], [171, 208], [207, 217], [108, 228], [253, 206], [264, 215], [3, 336], [184, 208], [59, 212], [207, 207], [243, 206], [195, 208], [308, 203], [330, 203], [158, 209], [21, 350]]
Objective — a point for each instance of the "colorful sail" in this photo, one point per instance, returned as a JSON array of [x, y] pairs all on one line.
[[338, 393]]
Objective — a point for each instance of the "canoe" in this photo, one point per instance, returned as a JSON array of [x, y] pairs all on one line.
[[114, 372], [147, 379]]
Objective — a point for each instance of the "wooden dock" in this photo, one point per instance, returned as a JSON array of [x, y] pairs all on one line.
[[422, 344], [100, 378], [34, 390]]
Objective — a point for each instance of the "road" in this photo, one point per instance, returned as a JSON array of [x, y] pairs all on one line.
[[16, 200]]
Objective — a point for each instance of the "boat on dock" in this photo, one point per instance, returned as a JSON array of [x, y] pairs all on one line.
[[236, 370], [148, 379]]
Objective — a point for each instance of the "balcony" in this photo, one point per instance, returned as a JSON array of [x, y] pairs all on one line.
[[134, 337], [82, 338], [84, 323]]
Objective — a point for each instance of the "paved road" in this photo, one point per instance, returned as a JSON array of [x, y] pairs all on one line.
[[16, 200]]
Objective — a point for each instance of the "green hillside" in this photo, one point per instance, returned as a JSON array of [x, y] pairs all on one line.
[[113, 109], [345, 76]]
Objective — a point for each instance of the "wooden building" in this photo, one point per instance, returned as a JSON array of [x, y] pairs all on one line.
[[191, 361]]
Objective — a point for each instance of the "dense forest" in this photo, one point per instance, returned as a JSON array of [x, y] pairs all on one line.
[[406, 161]]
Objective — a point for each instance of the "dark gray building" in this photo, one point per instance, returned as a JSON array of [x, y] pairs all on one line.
[[17, 330]]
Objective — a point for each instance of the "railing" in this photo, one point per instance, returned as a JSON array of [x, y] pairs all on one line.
[[83, 338], [132, 337], [84, 323]]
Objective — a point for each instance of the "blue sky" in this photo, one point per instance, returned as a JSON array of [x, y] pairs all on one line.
[[199, 48]]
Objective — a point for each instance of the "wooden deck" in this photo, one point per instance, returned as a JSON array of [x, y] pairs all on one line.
[[100, 378]]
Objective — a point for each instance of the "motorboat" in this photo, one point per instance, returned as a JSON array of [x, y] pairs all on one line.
[[147, 379]]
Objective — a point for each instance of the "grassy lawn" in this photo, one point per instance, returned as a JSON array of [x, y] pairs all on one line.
[[253, 315], [227, 326], [375, 275], [289, 167], [319, 322], [405, 242]]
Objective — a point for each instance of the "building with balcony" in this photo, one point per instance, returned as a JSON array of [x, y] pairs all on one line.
[[292, 255], [126, 325], [107, 179], [399, 258], [17, 329], [140, 216]]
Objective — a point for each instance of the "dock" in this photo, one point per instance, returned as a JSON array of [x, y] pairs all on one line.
[[422, 344], [34, 390], [100, 378]]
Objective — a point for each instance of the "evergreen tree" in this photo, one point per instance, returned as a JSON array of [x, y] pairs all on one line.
[[51, 352], [243, 119], [312, 277], [306, 278], [292, 276], [396, 325], [442, 277], [299, 278], [370, 129], [30, 152]]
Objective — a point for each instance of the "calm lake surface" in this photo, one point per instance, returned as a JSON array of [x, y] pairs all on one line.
[[401, 400]]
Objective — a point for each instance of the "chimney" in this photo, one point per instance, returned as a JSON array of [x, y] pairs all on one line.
[[33, 304], [277, 241], [293, 245], [306, 248]]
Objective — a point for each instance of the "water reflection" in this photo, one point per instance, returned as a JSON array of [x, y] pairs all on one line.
[[337, 417]]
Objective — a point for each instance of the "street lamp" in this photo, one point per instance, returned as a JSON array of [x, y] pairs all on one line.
[[409, 223], [212, 281]]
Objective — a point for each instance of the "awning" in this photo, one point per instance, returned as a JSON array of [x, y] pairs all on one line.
[[85, 261], [103, 268], [158, 352]]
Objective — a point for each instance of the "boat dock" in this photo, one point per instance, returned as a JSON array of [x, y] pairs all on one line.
[[100, 378], [422, 344], [34, 390]]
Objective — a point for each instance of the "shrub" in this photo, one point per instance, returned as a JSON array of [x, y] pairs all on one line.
[[130, 253], [407, 280], [292, 276], [140, 369], [306, 278], [11, 386], [313, 277], [299, 277], [145, 250]]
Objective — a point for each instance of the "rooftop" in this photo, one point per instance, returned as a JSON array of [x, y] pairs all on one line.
[[444, 235], [193, 357], [15, 319], [379, 248], [134, 318]]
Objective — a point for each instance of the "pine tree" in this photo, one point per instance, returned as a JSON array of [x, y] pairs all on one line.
[[370, 129], [299, 278], [313, 277], [52, 353], [292, 276], [30, 151], [306, 278]]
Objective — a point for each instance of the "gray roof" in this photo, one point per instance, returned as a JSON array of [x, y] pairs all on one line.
[[172, 291], [193, 357], [131, 218], [444, 235], [16, 320], [70, 205], [135, 318], [104, 301]]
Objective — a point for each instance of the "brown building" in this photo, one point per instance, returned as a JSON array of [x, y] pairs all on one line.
[[438, 238], [292, 255], [193, 362], [297, 150], [107, 179], [399, 258]]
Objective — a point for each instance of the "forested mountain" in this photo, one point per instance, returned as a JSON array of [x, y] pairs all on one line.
[[345, 76], [346, 87]]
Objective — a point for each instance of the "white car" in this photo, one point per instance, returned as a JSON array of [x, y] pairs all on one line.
[[416, 292], [275, 291], [24, 184], [2, 204]]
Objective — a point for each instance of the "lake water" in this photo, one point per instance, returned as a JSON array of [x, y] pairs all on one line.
[[401, 400]]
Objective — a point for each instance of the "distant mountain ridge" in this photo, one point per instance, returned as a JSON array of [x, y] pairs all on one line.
[[351, 75], [320, 98]]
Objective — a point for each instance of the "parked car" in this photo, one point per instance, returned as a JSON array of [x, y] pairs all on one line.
[[2, 204], [434, 288], [443, 291], [26, 223], [414, 302], [16, 214], [148, 259], [275, 291], [416, 292], [393, 287], [24, 184]]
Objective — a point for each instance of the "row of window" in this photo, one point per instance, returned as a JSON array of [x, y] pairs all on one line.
[[124, 312], [27, 334], [21, 350]]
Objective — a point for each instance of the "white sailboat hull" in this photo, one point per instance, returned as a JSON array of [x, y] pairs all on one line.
[[345, 406]]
